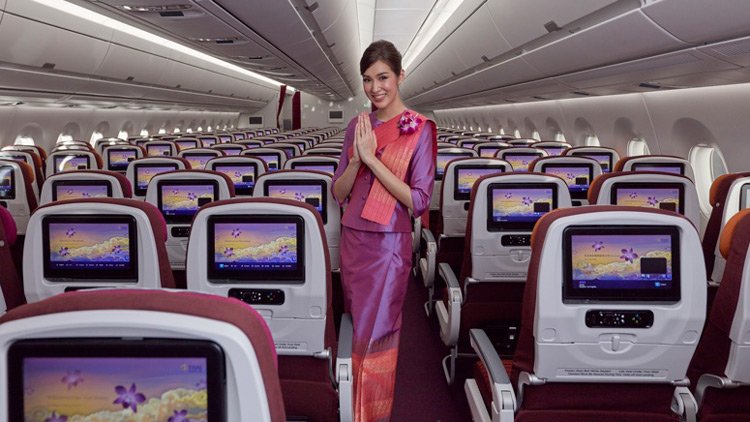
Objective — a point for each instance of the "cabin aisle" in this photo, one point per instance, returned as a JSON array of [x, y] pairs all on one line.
[[422, 394]]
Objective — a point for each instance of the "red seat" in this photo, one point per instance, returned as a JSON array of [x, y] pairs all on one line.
[[11, 287]]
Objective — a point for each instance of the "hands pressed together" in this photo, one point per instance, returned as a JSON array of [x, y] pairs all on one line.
[[365, 142]]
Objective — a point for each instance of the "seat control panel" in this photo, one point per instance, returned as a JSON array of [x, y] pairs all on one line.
[[515, 240], [259, 296], [599, 318]]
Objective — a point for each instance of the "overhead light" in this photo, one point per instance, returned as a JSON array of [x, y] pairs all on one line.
[[441, 11], [154, 9], [64, 6]]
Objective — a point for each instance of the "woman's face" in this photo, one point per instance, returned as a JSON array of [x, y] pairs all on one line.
[[381, 84]]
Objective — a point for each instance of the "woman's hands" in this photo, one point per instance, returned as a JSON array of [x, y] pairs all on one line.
[[365, 142]]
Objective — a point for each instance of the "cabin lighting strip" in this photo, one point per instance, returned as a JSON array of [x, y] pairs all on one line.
[[441, 11], [99, 19]]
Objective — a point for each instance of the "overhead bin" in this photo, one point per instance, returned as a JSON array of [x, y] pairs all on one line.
[[701, 21], [520, 21], [734, 51], [38, 80], [477, 40], [128, 64], [626, 37]]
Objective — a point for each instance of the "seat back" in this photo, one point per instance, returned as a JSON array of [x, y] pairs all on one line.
[[553, 148], [274, 158], [326, 149], [32, 160], [98, 242], [198, 157], [578, 173], [103, 143], [459, 177], [504, 209], [208, 141], [468, 142], [242, 170], [230, 148], [670, 192], [723, 350], [444, 156], [272, 254], [178, 195], [225, 137], [520, 157], [160, 148], [522, 142], [663, 163], [34, 149], [311, 187], [67, 160], [141, 171], [607, 157], [11, 287], [17, 191], [291, 150], [632, 303], [117, 157], [85, 184], [183, 342], [728, 195], [316, 163]]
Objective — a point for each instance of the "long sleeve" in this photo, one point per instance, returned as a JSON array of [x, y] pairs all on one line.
[[422, 171]]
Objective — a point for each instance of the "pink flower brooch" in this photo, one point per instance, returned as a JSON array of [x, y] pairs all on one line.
[[408, 123]]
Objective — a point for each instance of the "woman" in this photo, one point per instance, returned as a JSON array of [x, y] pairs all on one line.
[[386, 169]]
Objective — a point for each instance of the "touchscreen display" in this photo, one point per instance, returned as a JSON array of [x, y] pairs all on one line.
[[520, 162], [63, 190], [325, 168], [664, 167], [312, 192], [576, 177], [120, 158], [643, 195], [442, 162], [144, 174], [71, 162], [7, 183], [158, 150], [466, 175], [182, 201], [242, 175], [521, 205], [198, 161]]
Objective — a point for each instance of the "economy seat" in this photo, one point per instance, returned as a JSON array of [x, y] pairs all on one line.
[[141, 171], [198, 157], [613, 309], [11, 286], [664, 163], [17, 192], [118, 156], [272, 254], [160, 148], [178, 195], [274, 157], [80, 184], [242, 170], [229, 148], [553, 148], [520, 156], [73, 159], [97, 242], [607, 157], [30, 158], [669, 192], [317, 163], [487, 292], [720, 368], [578, 173], [176, 355]]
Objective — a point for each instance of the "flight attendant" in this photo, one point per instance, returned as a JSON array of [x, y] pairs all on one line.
[[386, 169]]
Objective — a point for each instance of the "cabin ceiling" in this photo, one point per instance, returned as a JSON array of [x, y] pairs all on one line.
[[486, 52]]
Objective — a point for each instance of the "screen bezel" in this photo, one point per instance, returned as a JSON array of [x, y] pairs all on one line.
[[499, 226], [91, 276], [296, 276], [647, 185], [241, 190], [573, 195], [572, 295], [302, 182], [461, 196], [681, 166], [110, 150], [59, 158], [744, 195], [118, 348], [160, 145], [62, 183], [12, 190], [182, 219], [295, 164]]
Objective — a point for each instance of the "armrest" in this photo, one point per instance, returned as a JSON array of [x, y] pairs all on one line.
[[427, 264], [449, 314], [684, 404], [345, 370], [711, 381], [503, 397]]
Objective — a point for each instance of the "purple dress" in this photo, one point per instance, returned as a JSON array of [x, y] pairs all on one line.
[[375, 264]]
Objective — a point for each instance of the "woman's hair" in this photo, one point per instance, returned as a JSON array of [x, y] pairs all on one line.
[[381, 50]]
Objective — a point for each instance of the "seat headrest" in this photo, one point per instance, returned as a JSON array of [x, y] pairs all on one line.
[[9, 226], [734, 226]]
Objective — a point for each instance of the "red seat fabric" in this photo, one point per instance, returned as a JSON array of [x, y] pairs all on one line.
[[11, 286], [717, 197]]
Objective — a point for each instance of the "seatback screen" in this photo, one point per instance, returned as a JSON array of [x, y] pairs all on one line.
[[745, 196], [520, 161], [145, 172], [186, 143], [243, 176], [207, 141], [312, 192], [90, 248], [179, 200], [116, 380], [604, 159], [77, 189], [71, 162], [554, 151], [120, 158], [466, 174], [198, 161], [517, 207], [232, 151], [665, 196], [256, 248], [158, 150], [621, 263], [225, 138], [272, 160], [576, 176], [7, 183], [443, 159], [325, 167], [674, 168]]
